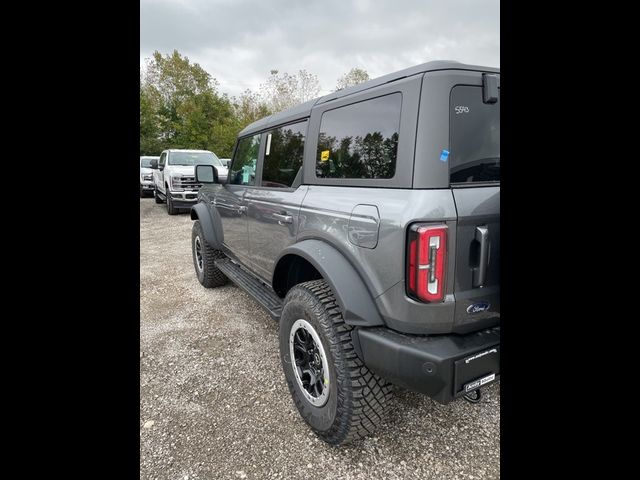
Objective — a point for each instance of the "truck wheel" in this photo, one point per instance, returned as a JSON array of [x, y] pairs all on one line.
[[204, 257], [171, 210], [155, 195], [336, 394]]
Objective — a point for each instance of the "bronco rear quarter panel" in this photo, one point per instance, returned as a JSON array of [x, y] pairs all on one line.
[[325, 215]]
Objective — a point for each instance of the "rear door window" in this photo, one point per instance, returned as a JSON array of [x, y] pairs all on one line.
[[474, 155], [360, 140]]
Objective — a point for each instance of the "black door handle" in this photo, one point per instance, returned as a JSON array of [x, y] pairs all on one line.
[[480, 272]]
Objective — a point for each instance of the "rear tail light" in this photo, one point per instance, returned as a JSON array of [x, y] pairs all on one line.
[[427, 256]]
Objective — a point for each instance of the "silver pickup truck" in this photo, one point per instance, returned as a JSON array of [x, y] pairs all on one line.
[[146, 175]]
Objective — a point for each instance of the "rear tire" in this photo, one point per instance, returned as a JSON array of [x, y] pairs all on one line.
[[355, 399], [204, 257], [155, 195]]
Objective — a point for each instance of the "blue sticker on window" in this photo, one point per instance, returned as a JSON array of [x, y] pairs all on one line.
[[444, 155]]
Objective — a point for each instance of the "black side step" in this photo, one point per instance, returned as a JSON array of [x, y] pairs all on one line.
[[263, 294]]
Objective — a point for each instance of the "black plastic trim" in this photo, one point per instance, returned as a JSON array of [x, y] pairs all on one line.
[[353, 297], [425, 364], [199, 211]]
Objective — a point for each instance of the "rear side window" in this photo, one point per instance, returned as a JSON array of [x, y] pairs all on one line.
[[243, 167], [360, 140], [475, 137], [283, 155]]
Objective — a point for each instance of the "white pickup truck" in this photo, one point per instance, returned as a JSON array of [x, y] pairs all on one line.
[[174, 176], [146, 175]]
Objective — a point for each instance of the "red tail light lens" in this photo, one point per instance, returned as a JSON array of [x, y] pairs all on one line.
[[427, 254]]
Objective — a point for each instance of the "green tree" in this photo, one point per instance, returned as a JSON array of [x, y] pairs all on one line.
[[150, 142], [282, 90], [352, 77], [176, 78], [249, 107], [180, 107]]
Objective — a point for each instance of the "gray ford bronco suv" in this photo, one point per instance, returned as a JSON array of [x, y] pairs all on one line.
[[367, 222]]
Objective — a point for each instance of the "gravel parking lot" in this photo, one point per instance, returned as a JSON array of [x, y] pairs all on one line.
[[214, 403]]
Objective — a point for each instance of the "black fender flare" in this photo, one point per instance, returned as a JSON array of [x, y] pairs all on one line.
[[210, 222], [352, 295]]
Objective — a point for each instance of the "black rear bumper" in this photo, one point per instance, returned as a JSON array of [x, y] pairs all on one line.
[[441, 366]]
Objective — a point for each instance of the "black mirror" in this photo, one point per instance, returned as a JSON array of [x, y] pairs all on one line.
[[206, 174], [154, 164]]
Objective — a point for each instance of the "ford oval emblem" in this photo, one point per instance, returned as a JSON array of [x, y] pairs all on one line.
[[478, 307]]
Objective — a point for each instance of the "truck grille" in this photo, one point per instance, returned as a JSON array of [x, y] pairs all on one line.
[[187, 183]]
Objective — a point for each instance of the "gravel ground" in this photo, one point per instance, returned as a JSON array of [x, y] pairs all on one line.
[[214, 403]]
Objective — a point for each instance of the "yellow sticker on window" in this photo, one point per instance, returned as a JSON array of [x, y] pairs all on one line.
[[324, 155]]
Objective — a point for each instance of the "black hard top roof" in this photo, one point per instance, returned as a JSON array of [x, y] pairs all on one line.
[[304, 109]]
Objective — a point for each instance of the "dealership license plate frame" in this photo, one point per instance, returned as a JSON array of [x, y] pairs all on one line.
[[477, 370]]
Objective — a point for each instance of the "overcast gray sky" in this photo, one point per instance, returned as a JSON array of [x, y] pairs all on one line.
[[239, 41]]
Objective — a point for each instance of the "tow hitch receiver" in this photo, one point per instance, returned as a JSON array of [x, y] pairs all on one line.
[[473, 397]]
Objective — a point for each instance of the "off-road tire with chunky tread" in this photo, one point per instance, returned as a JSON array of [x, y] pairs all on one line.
[[211, 276], [358, 398]]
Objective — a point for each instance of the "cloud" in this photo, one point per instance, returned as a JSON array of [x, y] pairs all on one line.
[[239, 41]]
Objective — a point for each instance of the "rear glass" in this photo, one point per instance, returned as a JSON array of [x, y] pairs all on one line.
[[475, 137]]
